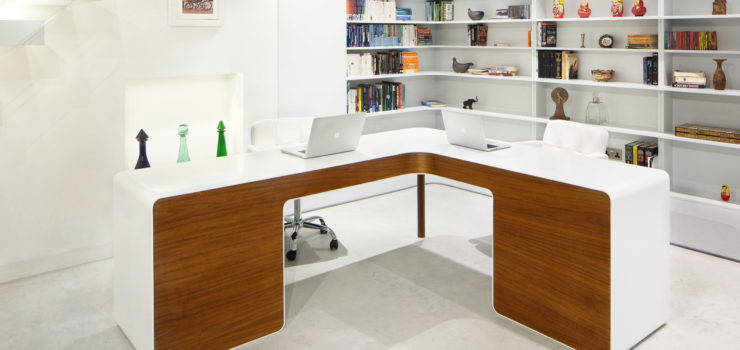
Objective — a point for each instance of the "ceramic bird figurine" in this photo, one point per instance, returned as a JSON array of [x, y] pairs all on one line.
[[639, 8], [460, 67], [584, 11], [558, 9], [617, 8]]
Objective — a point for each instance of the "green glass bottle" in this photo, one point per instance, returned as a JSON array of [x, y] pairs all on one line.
[[221, 152], [183, 156]]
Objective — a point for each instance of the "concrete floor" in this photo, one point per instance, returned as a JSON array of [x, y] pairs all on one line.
[[382, 289]]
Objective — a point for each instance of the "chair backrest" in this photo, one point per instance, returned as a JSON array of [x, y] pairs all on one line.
[[281, 131], [590, 140]]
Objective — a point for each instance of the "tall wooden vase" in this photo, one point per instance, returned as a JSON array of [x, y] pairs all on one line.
[[720, 81]]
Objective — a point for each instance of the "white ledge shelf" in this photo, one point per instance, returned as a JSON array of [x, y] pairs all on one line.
[[484, 21], [598, 49], [440, 74], [456, 47], [702, 52], [705, 91], [611, 85], [599, 19], [730, 16]]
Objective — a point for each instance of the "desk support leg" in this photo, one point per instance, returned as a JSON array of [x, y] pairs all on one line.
[[420, 205]]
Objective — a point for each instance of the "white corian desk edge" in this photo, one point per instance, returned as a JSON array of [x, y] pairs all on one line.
[[639, 211]]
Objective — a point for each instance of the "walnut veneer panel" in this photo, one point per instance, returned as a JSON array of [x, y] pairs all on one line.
[[218, 254]]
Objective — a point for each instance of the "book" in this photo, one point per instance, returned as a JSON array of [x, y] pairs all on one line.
[[439, 10], [691, 40], [548, 34], [478, 35], [433, 103], [372, 35], [378, 97]]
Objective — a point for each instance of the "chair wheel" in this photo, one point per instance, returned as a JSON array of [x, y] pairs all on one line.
[[290, 255], [334, 244], [323, 232]]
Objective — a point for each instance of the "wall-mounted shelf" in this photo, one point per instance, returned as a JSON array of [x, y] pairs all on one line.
[[21, 32], [439, 74], [487, 21], [455, 47], [600, 50]]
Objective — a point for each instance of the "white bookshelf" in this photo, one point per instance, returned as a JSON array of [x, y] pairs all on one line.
[[516, 108]]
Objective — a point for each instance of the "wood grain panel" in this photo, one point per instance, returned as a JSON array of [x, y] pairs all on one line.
[[218, 278]]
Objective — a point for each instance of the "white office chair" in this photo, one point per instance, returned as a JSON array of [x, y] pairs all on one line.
[[588, 140], [285, 132]]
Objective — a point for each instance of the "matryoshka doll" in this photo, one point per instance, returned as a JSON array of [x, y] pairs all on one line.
[[558, 9], [584, 11], [617, 8], [639, 8], [725, 193]]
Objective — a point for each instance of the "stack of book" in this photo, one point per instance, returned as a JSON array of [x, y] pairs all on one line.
[[709, 133], [518, 12], [548, 34], [478, 35], [423, 36], [372, 35], [650, 70], [503, 71], [640, 153], [371, 10], [685, 79], [440, 10], [403, 14], [642, 41], [557, 64], [380, 63], [691, 40], [410, 62], [380, 97]]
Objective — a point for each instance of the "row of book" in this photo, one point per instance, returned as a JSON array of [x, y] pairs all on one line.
[[379, 63], [478, 35], [548, 34], [650, 70], [684, 79], [641, 153], [709, 133], [374, 35], [514, 12], [557, 64], [440, 10], [642, 41], [380, 97], [371, 10], [691, 40]]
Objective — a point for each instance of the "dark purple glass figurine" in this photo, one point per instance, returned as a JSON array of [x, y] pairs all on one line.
[[143, 162]]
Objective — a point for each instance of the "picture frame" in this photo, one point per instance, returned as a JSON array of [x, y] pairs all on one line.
[[195, 13]]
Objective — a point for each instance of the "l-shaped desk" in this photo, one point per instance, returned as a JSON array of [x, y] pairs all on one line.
[[580, 245]]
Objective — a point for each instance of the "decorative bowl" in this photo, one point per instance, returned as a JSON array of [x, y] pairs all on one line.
[[602, 75], [475, 15]]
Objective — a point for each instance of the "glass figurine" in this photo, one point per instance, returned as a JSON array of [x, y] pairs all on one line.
[[183, 156], [221, 152], [596, 111], [143, 161]]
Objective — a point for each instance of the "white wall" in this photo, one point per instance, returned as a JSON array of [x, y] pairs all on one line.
[[62, 114]]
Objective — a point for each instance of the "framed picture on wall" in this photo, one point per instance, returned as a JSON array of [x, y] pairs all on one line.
[[198, 13]]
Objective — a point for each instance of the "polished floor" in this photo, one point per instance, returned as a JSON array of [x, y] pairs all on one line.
[[383, 289]]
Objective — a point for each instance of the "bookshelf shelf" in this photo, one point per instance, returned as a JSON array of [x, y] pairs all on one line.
[[702, 52], [713, 17], [705, 91], [599, 19], [597, 49], [455, 47], [607, 85], [400, 111], [439, 74], [485, 21]]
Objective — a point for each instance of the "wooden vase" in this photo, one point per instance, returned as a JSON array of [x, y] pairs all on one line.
[[720, 81]]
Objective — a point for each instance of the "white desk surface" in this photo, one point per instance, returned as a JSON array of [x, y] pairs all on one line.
[[611, 177]]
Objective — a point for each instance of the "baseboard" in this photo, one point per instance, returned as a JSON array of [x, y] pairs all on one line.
[[33, 267]]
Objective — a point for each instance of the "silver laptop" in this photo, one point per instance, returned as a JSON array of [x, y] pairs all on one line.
[[330, 135], [467, 130]]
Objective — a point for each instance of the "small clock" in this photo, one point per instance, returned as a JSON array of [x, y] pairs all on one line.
[[606, 41]]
